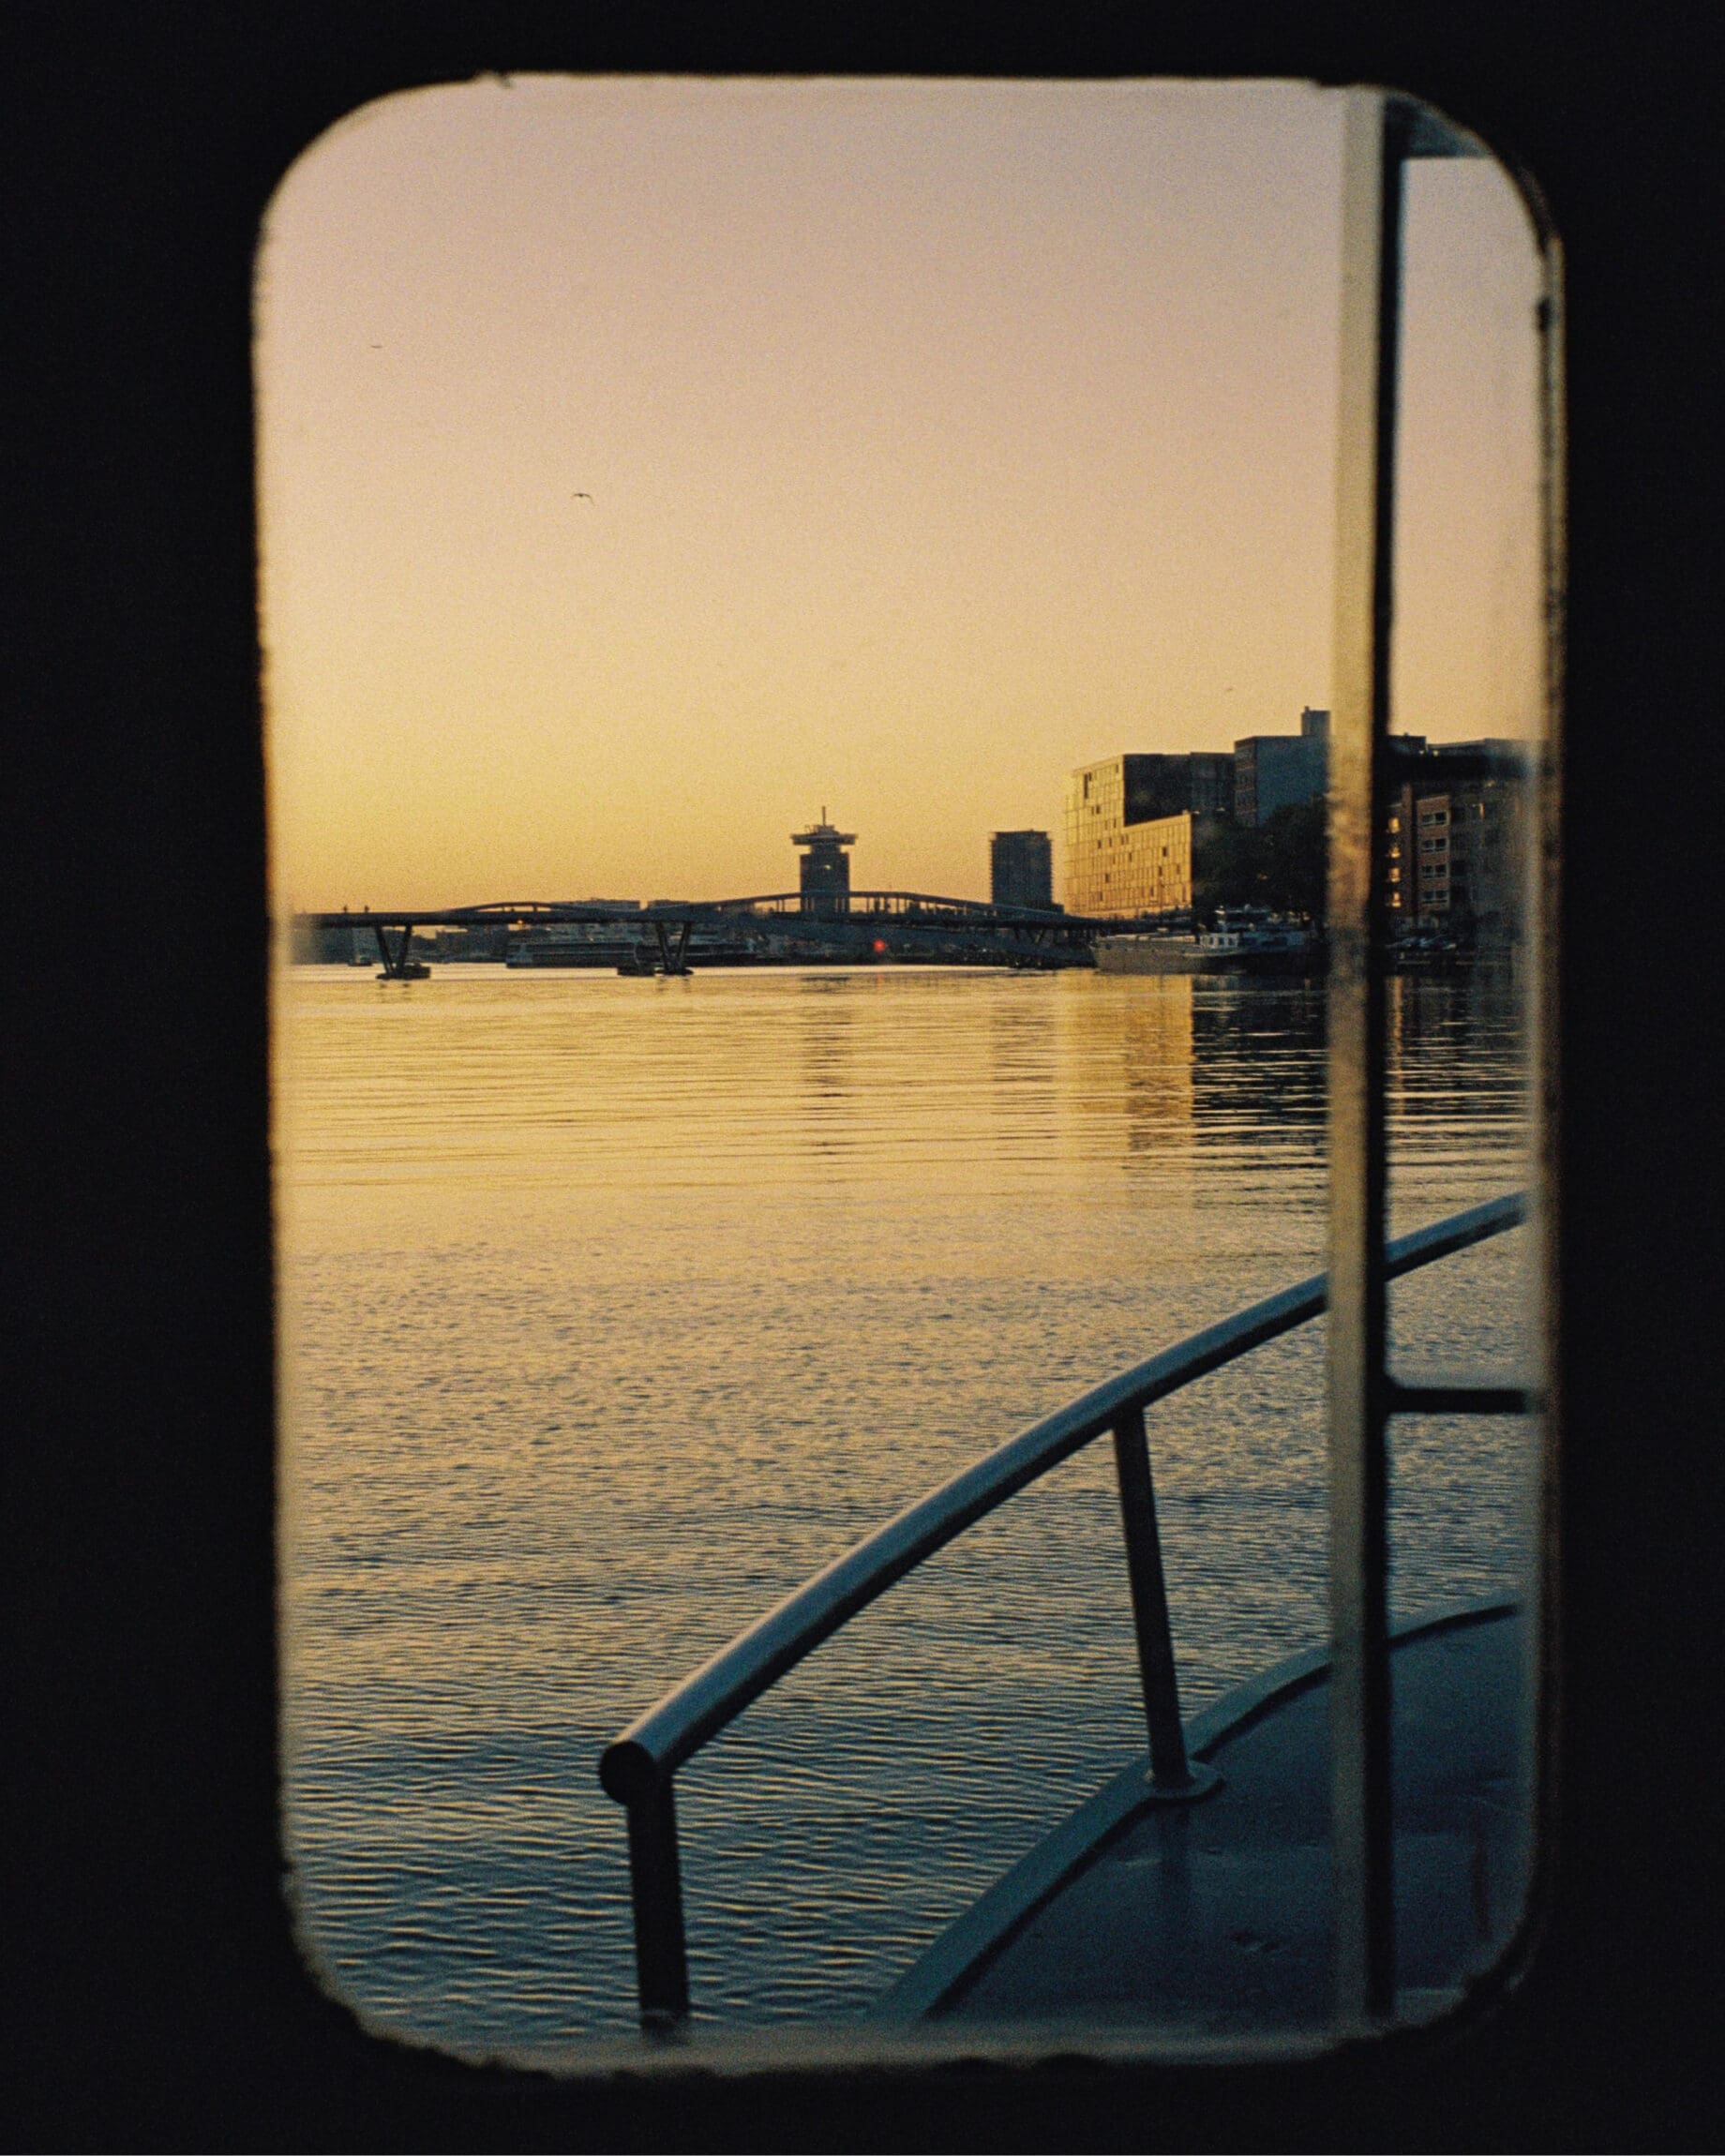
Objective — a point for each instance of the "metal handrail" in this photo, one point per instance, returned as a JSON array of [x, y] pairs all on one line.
[[639, 1766]]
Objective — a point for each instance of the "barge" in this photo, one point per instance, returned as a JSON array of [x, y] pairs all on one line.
[[1247, 940]]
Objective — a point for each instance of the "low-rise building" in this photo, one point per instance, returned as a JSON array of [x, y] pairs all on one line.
[[1457, 857]]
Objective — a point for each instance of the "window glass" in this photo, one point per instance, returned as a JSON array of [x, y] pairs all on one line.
[[788, 494]]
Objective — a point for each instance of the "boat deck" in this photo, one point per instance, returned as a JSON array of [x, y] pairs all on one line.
[[1212, 1918]]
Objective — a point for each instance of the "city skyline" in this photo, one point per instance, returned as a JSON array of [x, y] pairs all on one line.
[[644, 463]]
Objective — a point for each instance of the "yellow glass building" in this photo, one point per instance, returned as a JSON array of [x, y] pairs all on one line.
[[1119, 860]]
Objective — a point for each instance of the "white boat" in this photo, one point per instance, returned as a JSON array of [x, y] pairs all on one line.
[[1246, 940]]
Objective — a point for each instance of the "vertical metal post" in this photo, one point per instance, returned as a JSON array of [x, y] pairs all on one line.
[[1171, 1773], [377, 930], [656, 1885], [1361, 1824]]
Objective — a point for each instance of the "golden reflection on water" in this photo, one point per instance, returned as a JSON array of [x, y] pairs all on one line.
[[611, 1309]]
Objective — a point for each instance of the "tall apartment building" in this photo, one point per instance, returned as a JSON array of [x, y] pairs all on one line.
[[1280, 770], [1129, 848], [1021, 868]]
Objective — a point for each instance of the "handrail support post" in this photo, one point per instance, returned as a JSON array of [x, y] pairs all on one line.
[[1172, 1774], [656, 1884]]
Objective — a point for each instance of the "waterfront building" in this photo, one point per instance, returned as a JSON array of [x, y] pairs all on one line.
[[1456, 855], [1278, 771], [825, 877], [1127, 853], [1200, 783], [1020, 868]]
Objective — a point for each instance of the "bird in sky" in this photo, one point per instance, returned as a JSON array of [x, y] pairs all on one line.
[[583, 497]]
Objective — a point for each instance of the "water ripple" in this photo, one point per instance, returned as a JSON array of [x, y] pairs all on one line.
[[612, 1309]]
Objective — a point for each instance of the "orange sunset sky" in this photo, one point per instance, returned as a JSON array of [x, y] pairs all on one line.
[[646, 464]]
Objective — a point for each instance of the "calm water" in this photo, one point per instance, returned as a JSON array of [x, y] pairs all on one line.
[[613, 1308]]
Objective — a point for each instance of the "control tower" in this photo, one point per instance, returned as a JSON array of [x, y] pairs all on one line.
[[825, 870]]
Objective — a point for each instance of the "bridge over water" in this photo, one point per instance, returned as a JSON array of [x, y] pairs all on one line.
[[666, 927]]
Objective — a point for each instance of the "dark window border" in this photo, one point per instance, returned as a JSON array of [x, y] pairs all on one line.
[[155, 1997]]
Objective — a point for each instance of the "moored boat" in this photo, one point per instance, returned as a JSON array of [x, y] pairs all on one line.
[[1247, 939]]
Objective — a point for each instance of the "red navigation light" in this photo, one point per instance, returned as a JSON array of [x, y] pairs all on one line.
[[880, 946]]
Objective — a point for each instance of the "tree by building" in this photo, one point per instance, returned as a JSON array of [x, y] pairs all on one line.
[[1283, 864], [1295, 860]]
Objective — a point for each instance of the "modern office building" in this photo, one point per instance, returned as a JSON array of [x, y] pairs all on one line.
[[1021, 868], [1278, 771], [1138, 829], [825, 870], [1198, 783], [1210, 782], [1127, 852]]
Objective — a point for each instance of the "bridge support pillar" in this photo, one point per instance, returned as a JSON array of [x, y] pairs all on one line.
[[673, 962], [395, 962]]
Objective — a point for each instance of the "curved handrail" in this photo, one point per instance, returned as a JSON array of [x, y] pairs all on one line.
[[656, 1742]]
